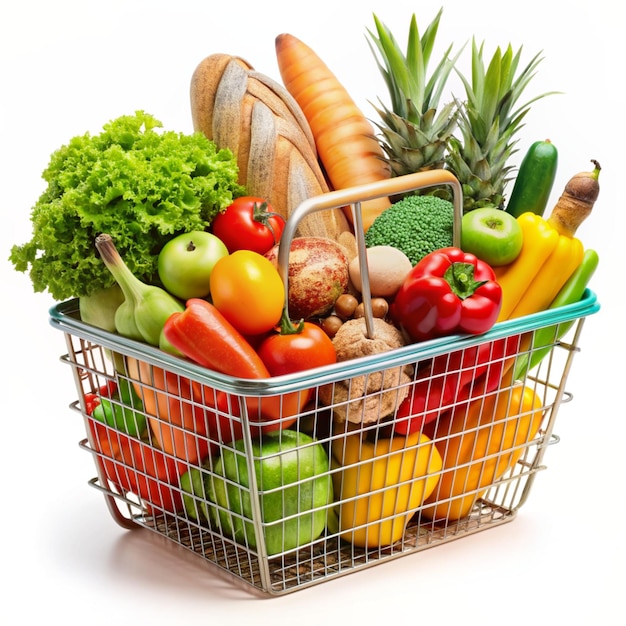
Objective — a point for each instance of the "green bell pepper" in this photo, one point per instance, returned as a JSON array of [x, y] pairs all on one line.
[[123, 411]]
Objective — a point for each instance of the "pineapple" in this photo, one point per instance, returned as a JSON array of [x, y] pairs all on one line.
[[415, 134], [487, 122]]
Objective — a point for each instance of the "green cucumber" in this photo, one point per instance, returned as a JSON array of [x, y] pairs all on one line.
[[571, 292], [534, 181]]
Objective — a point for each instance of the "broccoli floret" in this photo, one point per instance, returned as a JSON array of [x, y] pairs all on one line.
[[417, 225]]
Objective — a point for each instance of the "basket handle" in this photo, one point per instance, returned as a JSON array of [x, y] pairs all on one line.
[[353, 197]]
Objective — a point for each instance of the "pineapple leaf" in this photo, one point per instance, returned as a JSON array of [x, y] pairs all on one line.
[[427, 42], [415, 129], [395, 68], [416, 61], [406, 75], [488, 121], [489, 98], [438, 79]]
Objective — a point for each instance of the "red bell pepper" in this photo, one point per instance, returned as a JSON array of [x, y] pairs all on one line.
[[453, 378], [132, 465], [449, 291], [92, 399]]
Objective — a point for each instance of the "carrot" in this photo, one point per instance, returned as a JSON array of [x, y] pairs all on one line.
[[179, 401], [346, 144]]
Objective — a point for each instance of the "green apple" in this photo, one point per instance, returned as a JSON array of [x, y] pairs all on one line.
[[493, 235], [194, 494], [185, 263], [295, 489]]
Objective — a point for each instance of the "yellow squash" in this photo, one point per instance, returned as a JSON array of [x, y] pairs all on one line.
[[381, 484], [547, 259]]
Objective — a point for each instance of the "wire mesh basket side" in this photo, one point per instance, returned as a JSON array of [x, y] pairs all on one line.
[[195, 431]]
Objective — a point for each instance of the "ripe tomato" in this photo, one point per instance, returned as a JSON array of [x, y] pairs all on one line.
[[249, 223], [298, 349], [292, 350], [248, 291]]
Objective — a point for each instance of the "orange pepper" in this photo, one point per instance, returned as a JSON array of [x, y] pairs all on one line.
[[479, 443]]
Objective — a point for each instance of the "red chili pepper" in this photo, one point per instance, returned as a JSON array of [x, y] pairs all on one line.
[[453, 378], [205, 336], [448, 291]]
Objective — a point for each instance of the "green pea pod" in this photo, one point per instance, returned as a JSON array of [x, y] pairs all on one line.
[[124, 411], [571, 292]]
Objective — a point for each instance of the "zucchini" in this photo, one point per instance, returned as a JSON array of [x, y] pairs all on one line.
[[534, 181]]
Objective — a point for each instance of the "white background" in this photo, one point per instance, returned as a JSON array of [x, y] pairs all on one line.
[[68, 67]]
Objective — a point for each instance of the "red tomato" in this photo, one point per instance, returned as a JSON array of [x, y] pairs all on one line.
[[249, 223], [297, 350]]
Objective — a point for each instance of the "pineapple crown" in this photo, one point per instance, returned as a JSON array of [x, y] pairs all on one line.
[[415, 128], [418, 133], [413, 147], [406, 74], [488, 121], [492, 94]]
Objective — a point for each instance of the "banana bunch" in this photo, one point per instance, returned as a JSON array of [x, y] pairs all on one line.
[[259, 121]]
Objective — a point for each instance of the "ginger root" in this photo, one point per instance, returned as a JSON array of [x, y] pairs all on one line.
[[576, 202]]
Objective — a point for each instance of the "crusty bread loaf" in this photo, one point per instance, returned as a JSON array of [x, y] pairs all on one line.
[[260, 122]]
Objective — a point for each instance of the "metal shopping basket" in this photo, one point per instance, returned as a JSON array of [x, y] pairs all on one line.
[[307, 496]]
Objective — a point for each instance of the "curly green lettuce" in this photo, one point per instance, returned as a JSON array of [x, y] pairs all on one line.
[[139, 184]]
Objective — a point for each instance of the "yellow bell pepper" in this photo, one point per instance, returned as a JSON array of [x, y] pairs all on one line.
[[547, 259], [381, 484], [479, 443]]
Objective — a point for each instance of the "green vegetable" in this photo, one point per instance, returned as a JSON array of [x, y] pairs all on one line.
[[195, 494], [417, 225], [571, 292], [123, 411], [139, 185], [146, 308], [295, 486], [99, 308], [535, 179]]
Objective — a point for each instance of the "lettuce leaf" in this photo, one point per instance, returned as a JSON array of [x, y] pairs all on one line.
[[139, 184]]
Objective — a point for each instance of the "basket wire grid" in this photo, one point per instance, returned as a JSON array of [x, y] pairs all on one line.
[[141, 479]]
